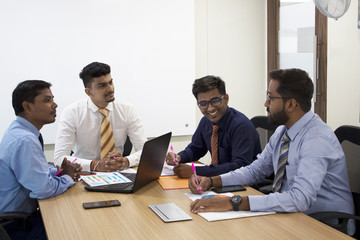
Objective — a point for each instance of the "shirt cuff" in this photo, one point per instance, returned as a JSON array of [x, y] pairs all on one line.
[[69, 179], [133, 161], [53, 171], [134, 158], [226, 179], [258, 203], [85, 164]]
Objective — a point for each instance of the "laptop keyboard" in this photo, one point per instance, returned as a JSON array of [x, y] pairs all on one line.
[[119, 186]]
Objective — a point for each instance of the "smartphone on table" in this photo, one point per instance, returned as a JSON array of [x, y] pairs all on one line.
[[87, 173], [101, 204], [232, 188]]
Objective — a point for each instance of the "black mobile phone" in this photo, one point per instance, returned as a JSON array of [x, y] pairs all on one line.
[[232, 188], [101, 204], [87, 173]]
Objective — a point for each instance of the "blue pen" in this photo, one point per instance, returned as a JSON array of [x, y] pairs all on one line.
[[213, 195]]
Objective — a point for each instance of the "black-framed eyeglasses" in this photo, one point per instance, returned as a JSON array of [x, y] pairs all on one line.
[[269, 98], [215, 102]]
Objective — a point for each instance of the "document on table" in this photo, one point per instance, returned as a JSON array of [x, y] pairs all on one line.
[[217, 216], [168, 169], [172, 182], [104, 178]]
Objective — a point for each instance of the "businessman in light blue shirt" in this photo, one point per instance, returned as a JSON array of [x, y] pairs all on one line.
[[315, 178], [24, 172]]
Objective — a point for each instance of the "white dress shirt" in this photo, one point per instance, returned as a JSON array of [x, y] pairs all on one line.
[[79, 131]]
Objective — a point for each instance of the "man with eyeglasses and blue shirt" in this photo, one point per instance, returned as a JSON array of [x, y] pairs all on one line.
[[304, 153], [237, 139]]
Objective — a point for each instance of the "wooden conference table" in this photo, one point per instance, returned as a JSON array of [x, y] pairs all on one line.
[[65, 218]]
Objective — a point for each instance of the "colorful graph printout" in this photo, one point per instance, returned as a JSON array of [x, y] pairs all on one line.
[[105, 179]]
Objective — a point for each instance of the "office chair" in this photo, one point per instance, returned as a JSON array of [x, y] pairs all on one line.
[[349, 138], [7, 218], [265, 130], [127, 147]]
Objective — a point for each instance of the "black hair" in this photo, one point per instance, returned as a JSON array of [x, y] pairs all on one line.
[[208, 83], [93, 70], [294, 83], [27, 91]]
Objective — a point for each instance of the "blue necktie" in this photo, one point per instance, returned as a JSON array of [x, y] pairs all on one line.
[[283, 156], [41, 141]]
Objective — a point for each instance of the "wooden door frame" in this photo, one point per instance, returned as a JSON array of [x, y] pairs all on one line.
[[273, 52]]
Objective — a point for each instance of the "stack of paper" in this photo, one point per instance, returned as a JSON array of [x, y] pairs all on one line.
[[217, 216]]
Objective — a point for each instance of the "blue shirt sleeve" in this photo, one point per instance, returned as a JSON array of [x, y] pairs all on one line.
[[197, 148], [34, 173]]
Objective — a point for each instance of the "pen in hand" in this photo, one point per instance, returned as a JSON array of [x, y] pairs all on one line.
[[196, 179], [172, 149], [61, 169]]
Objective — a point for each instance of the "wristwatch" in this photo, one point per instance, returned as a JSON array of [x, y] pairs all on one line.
[[235, 201]]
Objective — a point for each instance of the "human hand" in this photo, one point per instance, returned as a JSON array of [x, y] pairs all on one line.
[[169, 159], [113, 162], [71, 169], [211, 204], [183, 171], [204, 184]]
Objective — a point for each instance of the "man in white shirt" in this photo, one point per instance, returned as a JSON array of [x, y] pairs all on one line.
[[80, 124]]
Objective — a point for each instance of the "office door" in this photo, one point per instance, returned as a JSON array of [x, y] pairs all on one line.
[[297, 39]]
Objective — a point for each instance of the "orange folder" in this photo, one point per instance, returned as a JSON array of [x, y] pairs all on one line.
[[172, 182]]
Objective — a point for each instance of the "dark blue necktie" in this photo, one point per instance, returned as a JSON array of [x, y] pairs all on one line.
[[41, 141]]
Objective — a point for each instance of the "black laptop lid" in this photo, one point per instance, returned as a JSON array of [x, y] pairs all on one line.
[[152, 160], [150, 167]]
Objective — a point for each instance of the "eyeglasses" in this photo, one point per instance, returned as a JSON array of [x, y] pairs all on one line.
[[269, 98], [215, 102]]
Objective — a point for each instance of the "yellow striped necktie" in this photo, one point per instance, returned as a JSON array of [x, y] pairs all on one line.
[[107, 143]]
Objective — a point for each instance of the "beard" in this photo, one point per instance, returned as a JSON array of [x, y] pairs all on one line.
[[278, 118], [107, 99]]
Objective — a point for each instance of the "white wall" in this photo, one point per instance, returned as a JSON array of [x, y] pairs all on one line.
[[226, 45], [230, 42], [343, 83]]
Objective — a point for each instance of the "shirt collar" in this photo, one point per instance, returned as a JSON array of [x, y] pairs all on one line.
[[295, 129], [95, 108], [28, 125]]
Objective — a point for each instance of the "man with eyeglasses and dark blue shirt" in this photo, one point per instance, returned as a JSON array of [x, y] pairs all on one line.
[[226, 133]]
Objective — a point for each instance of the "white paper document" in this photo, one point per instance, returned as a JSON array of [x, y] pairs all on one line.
[[104, 178], [168, 169], [217, 216]]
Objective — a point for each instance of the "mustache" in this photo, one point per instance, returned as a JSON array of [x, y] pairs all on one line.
[[109, 93], [268, 110]]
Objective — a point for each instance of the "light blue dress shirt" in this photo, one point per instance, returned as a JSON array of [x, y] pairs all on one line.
[[25, 174], [316, 177]]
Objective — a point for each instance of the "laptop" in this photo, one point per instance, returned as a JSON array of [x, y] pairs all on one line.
[[149, 169]]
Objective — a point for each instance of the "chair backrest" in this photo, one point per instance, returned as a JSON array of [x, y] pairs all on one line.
[[127, 147], [264, 128], [349, 137]]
